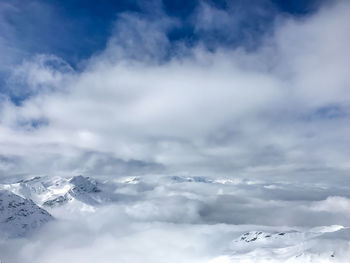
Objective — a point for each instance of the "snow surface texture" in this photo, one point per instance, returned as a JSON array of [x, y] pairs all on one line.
[[325, 244], [51, 192], [19, 216], [185, 217]]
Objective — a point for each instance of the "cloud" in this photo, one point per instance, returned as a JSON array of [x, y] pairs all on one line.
[[333, 204], [222, 110], [260, 127], [41, 74], [170, 220]]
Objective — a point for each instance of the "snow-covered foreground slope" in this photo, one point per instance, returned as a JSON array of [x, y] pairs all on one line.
[[19, 216], [174, 219], [321, 244]]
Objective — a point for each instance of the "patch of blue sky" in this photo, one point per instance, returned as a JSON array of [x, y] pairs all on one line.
[[327, 112], [74, 30], [33, 124]]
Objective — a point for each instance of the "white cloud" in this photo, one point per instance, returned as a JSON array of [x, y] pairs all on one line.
[[333, 204], [231, 107], [269, 127]]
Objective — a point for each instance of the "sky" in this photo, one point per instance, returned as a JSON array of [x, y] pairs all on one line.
[[254, 89], [249, 99]]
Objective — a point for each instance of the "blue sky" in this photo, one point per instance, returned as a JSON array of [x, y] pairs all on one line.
[[205, 114], [76, 29], [214, 87]]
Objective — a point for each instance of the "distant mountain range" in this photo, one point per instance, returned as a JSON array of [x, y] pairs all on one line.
[[25, 206]]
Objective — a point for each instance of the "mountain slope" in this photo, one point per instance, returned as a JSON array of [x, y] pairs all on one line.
[[19, 216], [321, 244], [56, 191]]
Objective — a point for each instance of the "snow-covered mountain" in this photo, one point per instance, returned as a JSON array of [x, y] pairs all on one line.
[[23, 206], [320, 244], [20, 216], [83, 189], [56, 191]]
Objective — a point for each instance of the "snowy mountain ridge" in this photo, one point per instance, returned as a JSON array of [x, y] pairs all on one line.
[[50, 192], [20, 216], [23, 206], [320, 244]]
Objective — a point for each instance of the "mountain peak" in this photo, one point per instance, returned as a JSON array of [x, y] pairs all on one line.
[[20, 216]]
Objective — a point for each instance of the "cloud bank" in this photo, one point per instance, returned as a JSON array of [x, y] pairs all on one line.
[[273, 109], [187, 219], [269, 115], [221, 139]]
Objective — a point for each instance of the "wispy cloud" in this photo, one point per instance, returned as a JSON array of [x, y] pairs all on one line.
[[239, 125], [227, 110]]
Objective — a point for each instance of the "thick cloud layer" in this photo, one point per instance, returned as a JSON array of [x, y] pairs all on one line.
[[270, 117], [178, 218], [272, 110]]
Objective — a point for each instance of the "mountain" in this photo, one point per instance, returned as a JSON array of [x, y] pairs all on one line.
[[20, 216], [23, 207], [83, 189], [56, 191], [320, 244], [38, 189], [23, 204]]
